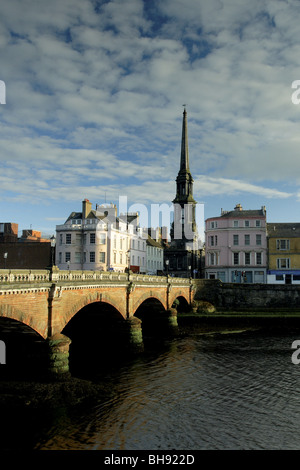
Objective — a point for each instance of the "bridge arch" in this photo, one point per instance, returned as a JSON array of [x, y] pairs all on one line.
[[98, 333], [181, 303], [13, 313], [149, 296], [89, 298], [26, 349]]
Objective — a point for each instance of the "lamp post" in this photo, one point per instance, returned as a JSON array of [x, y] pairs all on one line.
[[167, 264], [190, 271], [201, 250], [5, 258], [53, 243]]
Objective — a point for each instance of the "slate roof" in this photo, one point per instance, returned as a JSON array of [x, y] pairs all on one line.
[[283, 230]]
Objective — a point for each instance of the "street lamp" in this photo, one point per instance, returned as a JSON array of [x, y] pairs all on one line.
[[167, 264], [53, 243], [5, 258], [68, 263], [190, 268]]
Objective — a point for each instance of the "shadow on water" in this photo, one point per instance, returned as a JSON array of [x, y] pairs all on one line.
[[35, 409]]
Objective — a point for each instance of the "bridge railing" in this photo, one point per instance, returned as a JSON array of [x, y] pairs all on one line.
[[24, 275], [12, 276]]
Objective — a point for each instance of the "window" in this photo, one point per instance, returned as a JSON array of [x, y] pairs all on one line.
[[247, 258], [67, 256], [296, 277], [213, 259], [211, 239], [247, 223], [102, 239], [92, 257], [115, 258], [235, 258], [235, 223], [121, 258], [216, 240], [68, 238], [214, 224], [283, 244], [235, 239], [102, 257], [92, 238], [258, 258], [77, 257], [258, 239], [279, 277], [60, 239], [257, 223], [283, 263], [247, 239]]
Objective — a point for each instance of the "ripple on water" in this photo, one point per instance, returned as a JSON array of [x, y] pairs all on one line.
[[201, 392]]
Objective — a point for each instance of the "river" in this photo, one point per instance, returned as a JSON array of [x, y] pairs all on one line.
[[204, 389]]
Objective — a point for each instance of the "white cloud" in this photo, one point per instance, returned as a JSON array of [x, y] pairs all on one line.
[[94, 95]]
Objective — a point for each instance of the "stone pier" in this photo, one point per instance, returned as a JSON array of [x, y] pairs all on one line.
[[59, 354], [135, 334]]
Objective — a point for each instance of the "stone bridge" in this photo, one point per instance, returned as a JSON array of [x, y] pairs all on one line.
[[47, 300]]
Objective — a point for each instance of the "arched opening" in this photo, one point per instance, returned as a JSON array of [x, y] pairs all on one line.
[[181, 305], [26, 351], [98, 335], [153, 315]]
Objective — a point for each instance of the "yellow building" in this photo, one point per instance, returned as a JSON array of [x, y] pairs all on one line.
[[283, 253]]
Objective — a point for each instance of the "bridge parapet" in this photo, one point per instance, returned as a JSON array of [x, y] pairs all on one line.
[[24, 276]]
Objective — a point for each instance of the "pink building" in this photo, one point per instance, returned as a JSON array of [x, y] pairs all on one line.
[[236, 246]]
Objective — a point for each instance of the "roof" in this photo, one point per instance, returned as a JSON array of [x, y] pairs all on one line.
[[240, 212], [244, 214], [279, 230], [150, 241]]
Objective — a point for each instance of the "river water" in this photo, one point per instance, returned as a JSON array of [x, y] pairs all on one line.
[[213, 389]]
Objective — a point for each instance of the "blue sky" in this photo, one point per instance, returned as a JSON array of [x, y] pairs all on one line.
[[94, 95]]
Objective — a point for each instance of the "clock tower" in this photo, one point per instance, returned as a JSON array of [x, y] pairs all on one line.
[[182, 255]]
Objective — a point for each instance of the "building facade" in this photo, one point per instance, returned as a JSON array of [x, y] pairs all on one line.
[[182, 256], [155, 256], [283, 253], [100, 240], [30, 251], [236, 246]]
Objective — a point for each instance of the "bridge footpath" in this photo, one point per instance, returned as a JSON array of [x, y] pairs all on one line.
[[46, 300]]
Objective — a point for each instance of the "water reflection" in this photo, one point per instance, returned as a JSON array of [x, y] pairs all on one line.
[[235, 391]]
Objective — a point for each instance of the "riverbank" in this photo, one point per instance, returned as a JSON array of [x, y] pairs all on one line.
[[47, 394]]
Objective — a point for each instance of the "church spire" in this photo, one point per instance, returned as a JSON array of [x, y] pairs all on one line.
[[184, 160]]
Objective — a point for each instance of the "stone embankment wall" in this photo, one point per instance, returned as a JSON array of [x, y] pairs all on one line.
[[247, 297]]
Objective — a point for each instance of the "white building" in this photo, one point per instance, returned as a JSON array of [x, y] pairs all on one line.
[[93, 240], [155, 253]]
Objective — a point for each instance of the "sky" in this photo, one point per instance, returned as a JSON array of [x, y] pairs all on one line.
[[94, 95]]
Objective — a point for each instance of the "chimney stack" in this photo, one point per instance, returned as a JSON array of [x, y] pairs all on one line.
[[86, 208]]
